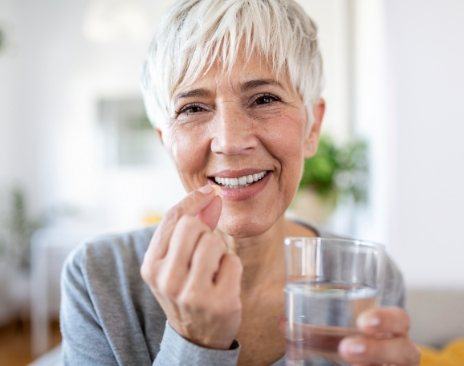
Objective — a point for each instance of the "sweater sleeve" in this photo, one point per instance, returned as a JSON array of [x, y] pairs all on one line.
[[84, 341], [176, 350]]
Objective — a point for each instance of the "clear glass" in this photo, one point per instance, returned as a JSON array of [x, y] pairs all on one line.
[[329, 283]]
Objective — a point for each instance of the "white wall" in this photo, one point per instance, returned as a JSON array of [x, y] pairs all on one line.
[[331, 17], [372, 115], [51, 76], [426, 67], [8, 95]]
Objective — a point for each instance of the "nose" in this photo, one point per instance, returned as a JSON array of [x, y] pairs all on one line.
[[233, 131]]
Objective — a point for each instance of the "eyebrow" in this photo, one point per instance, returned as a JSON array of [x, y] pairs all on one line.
[[193, 93], [251, 84]]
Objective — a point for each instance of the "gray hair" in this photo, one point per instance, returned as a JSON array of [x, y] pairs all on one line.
[[194, 34]]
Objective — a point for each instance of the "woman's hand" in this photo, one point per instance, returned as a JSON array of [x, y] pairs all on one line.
[[194, 279], [384, 341]]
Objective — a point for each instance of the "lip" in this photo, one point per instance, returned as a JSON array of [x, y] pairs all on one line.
[[244, 193], [236, 173]]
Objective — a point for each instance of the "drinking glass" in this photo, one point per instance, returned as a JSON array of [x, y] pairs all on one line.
[[329, 282]]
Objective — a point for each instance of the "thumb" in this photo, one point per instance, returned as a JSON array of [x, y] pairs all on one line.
[[211, 213]]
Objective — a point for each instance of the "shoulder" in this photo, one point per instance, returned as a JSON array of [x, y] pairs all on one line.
[[105, 271], [105, 302], [109, 260], [393, 289], [112, 250], [393, 292]]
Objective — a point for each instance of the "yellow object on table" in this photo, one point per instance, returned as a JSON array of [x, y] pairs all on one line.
[[451, 355], [152, 218]]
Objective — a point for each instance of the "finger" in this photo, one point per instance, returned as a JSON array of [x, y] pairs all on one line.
[[230, 273], [192, 204], [211, 213], [398, 351], [206, 259], [182, 245], [388, 320]]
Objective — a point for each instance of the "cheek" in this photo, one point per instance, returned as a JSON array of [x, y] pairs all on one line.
[[286, 143], [189, 150]]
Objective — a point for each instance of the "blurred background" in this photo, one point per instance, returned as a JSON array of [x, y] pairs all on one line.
[[78, 156]]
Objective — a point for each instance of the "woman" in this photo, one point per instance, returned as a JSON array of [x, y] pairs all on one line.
[[233, 88]]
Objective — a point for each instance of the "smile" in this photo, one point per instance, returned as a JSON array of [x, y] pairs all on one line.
[[240, 182]]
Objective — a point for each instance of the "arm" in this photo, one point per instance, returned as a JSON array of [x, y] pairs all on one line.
[[84, 342], [176, 350]]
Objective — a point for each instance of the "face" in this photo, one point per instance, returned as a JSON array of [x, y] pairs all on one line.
[[246, 133]]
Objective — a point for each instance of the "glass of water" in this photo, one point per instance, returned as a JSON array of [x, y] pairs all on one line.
[[329, 282]]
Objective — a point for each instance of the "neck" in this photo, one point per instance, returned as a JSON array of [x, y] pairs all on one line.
[[262, 256]]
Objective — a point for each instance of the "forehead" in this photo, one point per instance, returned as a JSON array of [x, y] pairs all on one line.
[[244, 74]]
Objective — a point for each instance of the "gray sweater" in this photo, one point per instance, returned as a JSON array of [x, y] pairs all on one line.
[[110, 317]]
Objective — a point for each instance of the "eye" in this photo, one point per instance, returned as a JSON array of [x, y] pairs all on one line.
[[265, 99], [190, 109]]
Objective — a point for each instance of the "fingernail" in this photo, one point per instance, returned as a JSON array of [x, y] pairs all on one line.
[[217, 190], [206, 189], [353, 347], [368, 321]]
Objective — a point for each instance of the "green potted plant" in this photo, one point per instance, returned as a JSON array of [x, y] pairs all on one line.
[[22, 227], [338, 172]]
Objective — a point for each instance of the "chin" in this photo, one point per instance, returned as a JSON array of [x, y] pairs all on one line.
[[244, 226]]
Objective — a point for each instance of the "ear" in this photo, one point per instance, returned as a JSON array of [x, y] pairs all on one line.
[[312, 138], [160, 135]]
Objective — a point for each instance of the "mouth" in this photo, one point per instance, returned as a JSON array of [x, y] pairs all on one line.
[[241, 185], [240, 181], [236, 180]]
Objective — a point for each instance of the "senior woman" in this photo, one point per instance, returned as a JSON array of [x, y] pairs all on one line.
[[233, 88]]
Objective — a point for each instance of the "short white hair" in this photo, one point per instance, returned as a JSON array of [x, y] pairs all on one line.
[[194, 34]]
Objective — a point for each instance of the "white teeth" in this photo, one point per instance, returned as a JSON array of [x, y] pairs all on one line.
[[240, 181]]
